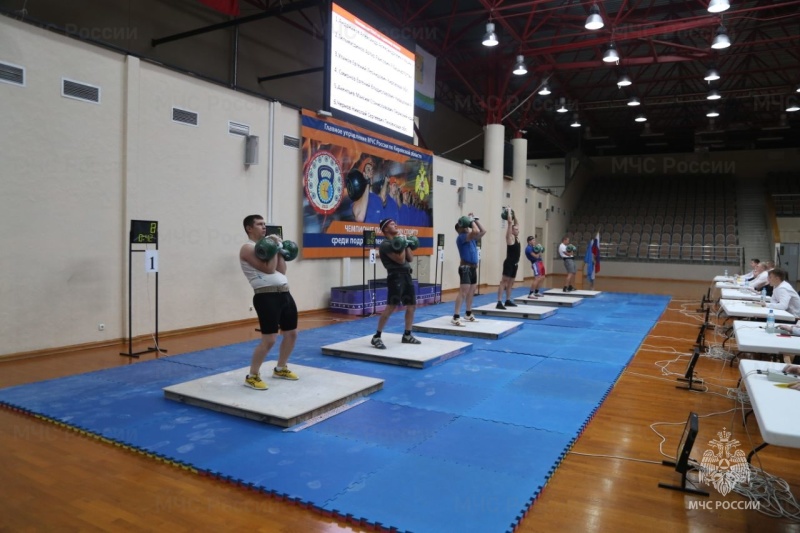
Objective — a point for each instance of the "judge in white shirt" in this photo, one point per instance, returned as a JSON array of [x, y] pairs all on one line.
[[750, 276], [784, 297], [793, 369], [761, 280], [791, 329]]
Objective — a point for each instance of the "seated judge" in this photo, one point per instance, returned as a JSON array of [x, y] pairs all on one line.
[[750, 276], [761, 280], [784, 297], [793, 369], [791, 329]]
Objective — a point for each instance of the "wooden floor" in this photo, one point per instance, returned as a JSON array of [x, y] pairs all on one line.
[[54, 479]]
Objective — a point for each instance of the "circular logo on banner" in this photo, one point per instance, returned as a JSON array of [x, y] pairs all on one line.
[[323, 183]]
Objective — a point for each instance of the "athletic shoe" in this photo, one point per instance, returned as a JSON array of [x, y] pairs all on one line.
[[532, 295], [571, 288], [254, 382], [565, 289], [457, 322], [470, 318], [499, 306], [410, 339], [284, 374], [509, 303], [378, 343]]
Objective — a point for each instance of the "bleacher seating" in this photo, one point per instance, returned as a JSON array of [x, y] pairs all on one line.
[[676, 219]]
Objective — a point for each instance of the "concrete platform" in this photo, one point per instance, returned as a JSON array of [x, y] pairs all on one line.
[[573, 294], [429, 353], [547, 300], [483, 329], [284, 404], [531, 312]]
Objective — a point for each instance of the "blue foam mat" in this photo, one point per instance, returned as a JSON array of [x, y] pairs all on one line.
[[425, 494], [465, 445]]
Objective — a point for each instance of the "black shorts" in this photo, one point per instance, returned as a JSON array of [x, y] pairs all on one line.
[[468, 275], [275, 310], [400, 289], [509, 269]]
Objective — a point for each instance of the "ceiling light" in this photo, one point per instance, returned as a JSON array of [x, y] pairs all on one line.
[[611, 55], [713, 95], [640, 118], [519, 68], [712, 113], [624, 81], [594, 21], [712, 75], [545, 90], [490, 39], [721, 40], [575, 122], [718, 6], [634, 101], [562, 108], [798, 88], [792, 106]]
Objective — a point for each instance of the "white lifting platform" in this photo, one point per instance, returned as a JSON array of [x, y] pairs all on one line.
[[550, 301], [531, 312], [578, 293], [483, 329], [430, 352], [285, 403]]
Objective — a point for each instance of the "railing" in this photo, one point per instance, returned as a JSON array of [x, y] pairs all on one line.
[[678, 253], [787, 205]]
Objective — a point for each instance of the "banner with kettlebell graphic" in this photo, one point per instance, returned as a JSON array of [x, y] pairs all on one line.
[[353, 179]]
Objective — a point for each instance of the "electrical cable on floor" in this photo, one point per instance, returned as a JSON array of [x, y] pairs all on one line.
[[650, 461]]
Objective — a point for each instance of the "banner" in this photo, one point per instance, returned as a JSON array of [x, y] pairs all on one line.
[[352, 179], [424, 79]]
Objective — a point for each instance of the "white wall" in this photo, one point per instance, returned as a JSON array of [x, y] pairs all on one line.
[[76, 173], [61, 194], [789, 229], [548, 174]]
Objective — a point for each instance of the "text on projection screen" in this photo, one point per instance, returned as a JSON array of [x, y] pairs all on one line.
[[372, 77]]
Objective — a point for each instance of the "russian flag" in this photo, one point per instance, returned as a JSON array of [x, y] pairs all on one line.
[[592, 258]]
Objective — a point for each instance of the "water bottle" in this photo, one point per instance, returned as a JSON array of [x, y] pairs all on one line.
[[764, 296], [770, 322], [726, 272]]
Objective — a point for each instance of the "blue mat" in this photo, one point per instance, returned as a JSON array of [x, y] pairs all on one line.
[[463, 446]]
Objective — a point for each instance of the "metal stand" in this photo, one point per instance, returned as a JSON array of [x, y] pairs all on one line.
[[682, 487], [368, 244], [689, 383], [478, 286], [706, 299], [439, 249], [142, 232]]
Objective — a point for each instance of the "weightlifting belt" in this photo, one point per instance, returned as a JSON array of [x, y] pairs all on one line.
[[273, 288], [465, 264]]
